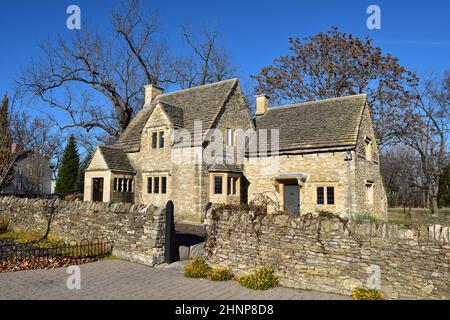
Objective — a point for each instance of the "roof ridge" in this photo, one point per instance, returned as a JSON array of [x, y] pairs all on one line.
[[197, 87], [285, 106]]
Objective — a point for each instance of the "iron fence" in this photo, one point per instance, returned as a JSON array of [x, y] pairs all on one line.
[[95, 248]]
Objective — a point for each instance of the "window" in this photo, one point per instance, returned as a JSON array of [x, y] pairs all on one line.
[[149, 185], [156, 185], [320, 195], [368, 149], [154, 140], [370, 191], [161, 139], [41, 172], [229, 185], [330, 195], [218, 184], [158, 139], [123, 185], [230, 137], [163, 185]]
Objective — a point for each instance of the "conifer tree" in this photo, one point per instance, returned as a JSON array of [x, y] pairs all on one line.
[[67, 179], [6, 156]]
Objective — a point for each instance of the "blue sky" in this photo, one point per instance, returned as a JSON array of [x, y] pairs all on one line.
[[255, 32]]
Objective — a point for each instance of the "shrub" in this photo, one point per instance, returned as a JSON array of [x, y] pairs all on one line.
[[366, 217], [262, 279], [197, 268], [367, 294], [221, 274], [4, 222]]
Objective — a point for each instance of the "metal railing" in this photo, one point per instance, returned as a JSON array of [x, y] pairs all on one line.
[[95, 248]]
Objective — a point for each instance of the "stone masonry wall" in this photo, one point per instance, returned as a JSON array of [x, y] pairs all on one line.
[[137, 230], [328, 253]]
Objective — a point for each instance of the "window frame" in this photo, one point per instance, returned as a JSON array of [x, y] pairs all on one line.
[[156, 185], [154, 140], [216, 178], [321, 197], [333, 198]]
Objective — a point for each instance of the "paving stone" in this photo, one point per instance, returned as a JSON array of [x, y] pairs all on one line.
[[117, 279]]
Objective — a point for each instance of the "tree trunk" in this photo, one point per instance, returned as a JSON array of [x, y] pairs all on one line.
[[433, 193]]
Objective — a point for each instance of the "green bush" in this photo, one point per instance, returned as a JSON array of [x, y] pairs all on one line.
[[197, 268], [262, 279], [221, 274], [367, 294], [4, 222]]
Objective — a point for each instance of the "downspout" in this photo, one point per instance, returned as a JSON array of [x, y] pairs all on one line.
[[348, 158]]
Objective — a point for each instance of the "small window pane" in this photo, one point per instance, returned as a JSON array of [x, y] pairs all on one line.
[[161, 139], [164, 185], [156, 186], [218, 185], [149, 185], [330, 195], [320, 196], [115, 184], [154, 140], [130, 185]]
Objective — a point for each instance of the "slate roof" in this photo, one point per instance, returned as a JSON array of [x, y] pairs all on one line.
[[318, 124], [116, 159], [183, 107]]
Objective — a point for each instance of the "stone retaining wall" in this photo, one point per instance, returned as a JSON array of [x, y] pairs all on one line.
[[324, 252], [137, 230]]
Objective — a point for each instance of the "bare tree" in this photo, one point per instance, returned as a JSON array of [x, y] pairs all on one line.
[[208, 61], [402, 176], [425, 128], [94, 79]]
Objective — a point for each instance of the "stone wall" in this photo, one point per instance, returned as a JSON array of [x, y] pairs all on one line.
[[137, 230], [328, 253]]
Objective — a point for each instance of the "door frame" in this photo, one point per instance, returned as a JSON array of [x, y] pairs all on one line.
[[102, 191]]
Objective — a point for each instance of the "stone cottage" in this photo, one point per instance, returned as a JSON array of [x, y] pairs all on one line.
[[308, 156]]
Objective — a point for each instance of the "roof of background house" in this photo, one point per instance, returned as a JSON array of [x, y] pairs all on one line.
[[116, 159], [317, 124], [183, 107], [25, 154]]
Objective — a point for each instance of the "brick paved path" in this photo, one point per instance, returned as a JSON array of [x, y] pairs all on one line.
[[116, 279]]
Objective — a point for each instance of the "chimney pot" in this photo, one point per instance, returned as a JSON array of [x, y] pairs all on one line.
[[16, 148], [262, 104], [151, 92]]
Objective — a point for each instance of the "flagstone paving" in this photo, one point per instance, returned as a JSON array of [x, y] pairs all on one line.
[[117, 279]]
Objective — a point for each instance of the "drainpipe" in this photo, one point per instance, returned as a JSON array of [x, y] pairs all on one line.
[[348, 158]]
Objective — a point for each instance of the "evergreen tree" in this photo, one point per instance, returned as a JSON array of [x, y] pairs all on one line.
[[83, 166], [444, 188], [67, 179], [6, 157]]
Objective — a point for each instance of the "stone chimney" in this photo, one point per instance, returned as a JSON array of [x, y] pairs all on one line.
[[151, 92], [16, 148], [262, 104]]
